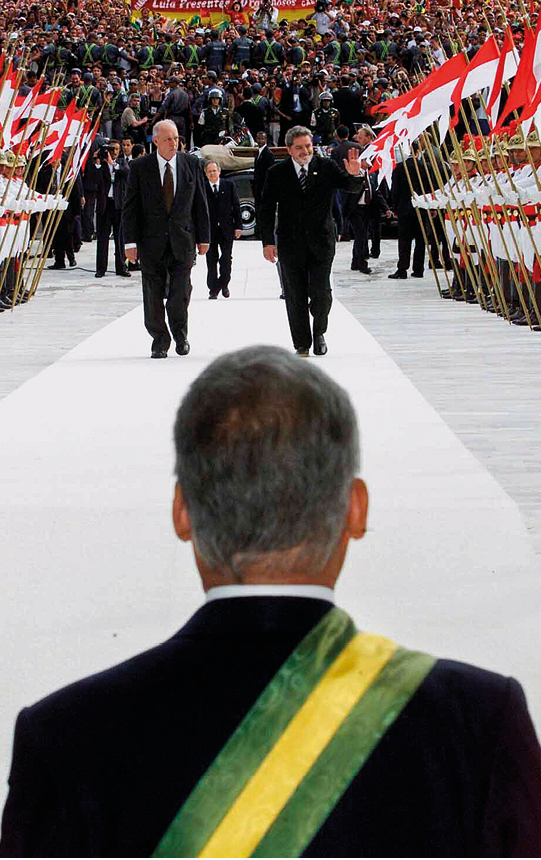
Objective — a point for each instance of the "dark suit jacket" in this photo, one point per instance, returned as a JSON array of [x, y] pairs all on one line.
[[261, 164], [348, 105], [304, 217], [101, 767], [224, 212], [145, 219], [375, 207], [104, 184], [340, 151]]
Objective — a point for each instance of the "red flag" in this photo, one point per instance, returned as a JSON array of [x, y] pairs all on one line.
[[480, 71]]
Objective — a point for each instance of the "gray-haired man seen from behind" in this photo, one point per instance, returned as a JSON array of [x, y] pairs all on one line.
[[268, 725]]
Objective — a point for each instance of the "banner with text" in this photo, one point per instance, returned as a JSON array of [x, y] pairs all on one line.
[[206, 13]]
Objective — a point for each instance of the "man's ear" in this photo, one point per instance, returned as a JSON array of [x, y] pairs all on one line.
[[358, 509], [181, 518]]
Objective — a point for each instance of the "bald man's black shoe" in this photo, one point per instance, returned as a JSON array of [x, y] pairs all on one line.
[[320, 347]]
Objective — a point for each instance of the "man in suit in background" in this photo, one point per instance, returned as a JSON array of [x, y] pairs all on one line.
[[302, 189], [102, 767], [165, 217], [225, 226], [263, 160], [111, 186]]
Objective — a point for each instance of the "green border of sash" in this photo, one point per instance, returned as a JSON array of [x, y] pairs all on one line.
[[256, 735], [317, 795]]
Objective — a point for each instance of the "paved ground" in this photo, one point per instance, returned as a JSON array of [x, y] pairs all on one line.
[[482, 375]]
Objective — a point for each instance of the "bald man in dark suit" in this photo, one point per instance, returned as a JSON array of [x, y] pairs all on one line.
[[165, 218]]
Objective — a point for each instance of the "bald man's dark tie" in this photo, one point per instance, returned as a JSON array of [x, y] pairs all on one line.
[[168, 188]]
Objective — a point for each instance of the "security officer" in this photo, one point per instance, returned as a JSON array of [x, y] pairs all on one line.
[[241, 49], [270, 53], [89, 96], [145, 55], [348, 52], [214, 53], [168, 52], [117, 106], [89, 51], [214, 119], [325, 120], [191, 52]]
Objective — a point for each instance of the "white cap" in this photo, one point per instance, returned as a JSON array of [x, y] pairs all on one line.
[[417, 29]]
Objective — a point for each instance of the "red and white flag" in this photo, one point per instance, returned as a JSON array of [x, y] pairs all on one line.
[[7, 94], [507, 69]]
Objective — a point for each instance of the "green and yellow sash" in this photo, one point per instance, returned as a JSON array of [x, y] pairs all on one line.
[[287, 764]]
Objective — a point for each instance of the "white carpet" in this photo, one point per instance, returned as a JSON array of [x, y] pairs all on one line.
[[92, 571]]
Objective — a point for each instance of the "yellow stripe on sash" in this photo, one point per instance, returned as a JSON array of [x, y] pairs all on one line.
[[299, 747]]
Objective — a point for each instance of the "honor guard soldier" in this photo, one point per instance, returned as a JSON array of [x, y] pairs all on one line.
[[325, 120], [214, 119]]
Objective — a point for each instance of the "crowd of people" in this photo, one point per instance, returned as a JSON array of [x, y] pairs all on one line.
[[254, 72]]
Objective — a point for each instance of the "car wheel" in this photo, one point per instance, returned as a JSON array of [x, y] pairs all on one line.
[[247, 214]]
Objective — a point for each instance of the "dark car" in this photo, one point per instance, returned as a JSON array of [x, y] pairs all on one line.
[[244, 181]]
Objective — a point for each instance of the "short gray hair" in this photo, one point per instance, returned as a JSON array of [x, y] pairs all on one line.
[[159, 125], [208, 161], [267, 448], [296, 131]]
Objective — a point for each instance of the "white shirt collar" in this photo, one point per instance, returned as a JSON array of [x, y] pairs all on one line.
[[319, 592], [163, 161], [298, 166]]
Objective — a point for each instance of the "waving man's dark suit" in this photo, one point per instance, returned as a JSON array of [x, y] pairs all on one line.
[[166, 242], [305, 238]]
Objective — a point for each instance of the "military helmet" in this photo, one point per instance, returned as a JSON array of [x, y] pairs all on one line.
[[517, 141], [533, 138], [3, 159], [20, 161], [469, 155], [10, 158], [215, 93], [326, 96]]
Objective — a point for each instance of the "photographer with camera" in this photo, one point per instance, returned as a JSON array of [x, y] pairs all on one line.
[[324, 16], [266, 16], [112, 177], [295, 105]]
